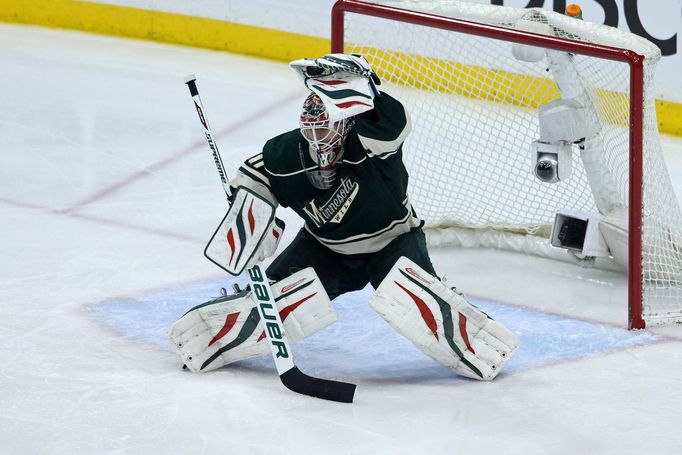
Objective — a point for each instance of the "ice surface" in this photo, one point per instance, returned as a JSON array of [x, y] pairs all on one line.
[[365, 347], [107, 196]]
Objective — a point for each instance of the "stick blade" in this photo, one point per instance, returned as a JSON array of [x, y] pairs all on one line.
[[326, 389]]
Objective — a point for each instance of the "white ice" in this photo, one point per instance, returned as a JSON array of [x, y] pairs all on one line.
[[107, 197]]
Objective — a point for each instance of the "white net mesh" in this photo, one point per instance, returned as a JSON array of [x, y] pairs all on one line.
[[474, 107]]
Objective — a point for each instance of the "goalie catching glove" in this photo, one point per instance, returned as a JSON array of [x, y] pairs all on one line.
[[441, 323], [345, 83], [249, 233], [229, 329]]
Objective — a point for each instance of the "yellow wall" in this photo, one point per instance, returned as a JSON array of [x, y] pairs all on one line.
[[163, 27], [204, 33]]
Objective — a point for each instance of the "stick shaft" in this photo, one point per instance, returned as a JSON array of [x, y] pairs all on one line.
[[274, 331], [194, 91]]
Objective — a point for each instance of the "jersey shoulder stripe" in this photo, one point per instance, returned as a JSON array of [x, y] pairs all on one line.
[[255, 175], [248, 179], [256, 161]]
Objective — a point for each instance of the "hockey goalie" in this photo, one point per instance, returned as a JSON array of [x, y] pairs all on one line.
[[342, 172]]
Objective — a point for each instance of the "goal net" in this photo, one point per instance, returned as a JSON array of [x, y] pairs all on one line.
[[474, 105]]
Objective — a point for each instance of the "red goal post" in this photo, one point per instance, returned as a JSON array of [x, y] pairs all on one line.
[[634, 60]]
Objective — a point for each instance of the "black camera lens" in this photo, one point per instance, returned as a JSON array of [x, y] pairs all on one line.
[[546, 169]]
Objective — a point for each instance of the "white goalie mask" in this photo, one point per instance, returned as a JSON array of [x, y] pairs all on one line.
[[326, 139]]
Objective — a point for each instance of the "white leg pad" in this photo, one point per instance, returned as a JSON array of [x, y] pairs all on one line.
[[229, 329], [442, 324]]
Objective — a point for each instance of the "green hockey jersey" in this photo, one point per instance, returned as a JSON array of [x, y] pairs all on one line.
[[367, 206]]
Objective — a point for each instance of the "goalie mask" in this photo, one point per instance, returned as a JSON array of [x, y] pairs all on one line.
[[325, 138]]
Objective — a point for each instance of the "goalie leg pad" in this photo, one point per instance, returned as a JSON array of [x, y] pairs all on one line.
[[229, 329], [441, 323]]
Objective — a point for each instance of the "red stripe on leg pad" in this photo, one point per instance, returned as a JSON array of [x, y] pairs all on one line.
[[230, 242], [230, 320], [463, 332], [426, 313], [286, 311], [252, 220]]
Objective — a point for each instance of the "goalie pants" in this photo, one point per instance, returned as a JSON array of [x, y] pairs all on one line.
[[344, 273]]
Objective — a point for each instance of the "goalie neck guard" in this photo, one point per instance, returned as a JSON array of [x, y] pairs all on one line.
[[325, 139]]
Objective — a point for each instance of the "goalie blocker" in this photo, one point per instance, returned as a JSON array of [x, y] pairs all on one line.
[[442, 324], [248, 233]]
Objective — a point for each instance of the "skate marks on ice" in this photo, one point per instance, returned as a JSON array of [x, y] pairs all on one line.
[[362, 346]]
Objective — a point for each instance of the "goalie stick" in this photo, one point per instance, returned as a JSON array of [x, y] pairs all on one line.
[[292, 378]]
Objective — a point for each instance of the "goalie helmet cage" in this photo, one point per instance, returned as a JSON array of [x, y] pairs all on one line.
[[474, 108]]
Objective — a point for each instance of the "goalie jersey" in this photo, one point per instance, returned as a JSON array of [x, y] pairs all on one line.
[[367, 207]]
